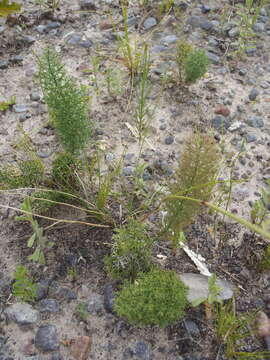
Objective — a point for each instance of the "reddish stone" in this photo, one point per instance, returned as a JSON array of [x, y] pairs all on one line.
[[222, 110], [80, 347]]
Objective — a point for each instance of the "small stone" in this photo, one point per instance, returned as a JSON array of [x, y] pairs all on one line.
[[159, 48], [41, 29], [74, 39], [46, 338], [109, 298], [215, 59], [17, 59], [88, 5], [53, 25], [128, 170], [43, 154], [149, 23], [220, 123], [259, 27], [242, 72], [235, 126], [222, 110], [86, 43], [80, 347], [19, 108], [240, 193], [206, 25], [34, 96], [233, 32], [95, 304], [250, 137], [169, 140], [255, 121], [264, 84], [42, 289], [142, 351], [191, 327], [3, 64], [169, 39], [2, 28], [205, 9], [56, 356], [198, 287], [251, 51], [22, 314], [29, 40], [49, 305], [253, 94], [24, 117]]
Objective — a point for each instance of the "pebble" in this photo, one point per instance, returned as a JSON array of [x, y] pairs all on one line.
[[253, 94], [46, 338], [169, 140], [220, 123], [222, 110], [43, 154], [206, 25], [128, 170], [250, 137], [22, 314], [34, 96], [255, 121], [259, 27], [88, 5], [215, 59], [169, 39], [49, 305], [149, 23], [95, 304], [3, 64], [42, 289], [242, 72], [109, 298], [235, 126], [41, 29], [233, 32], [264, 84], [142, 351], [27, 39], [24, 117], [191, 327], [17, 59], [198, 287], [19, 108]]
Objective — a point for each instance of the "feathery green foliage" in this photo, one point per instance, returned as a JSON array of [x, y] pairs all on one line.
[[67, 102], [192, 63], [156, 298], [23, 287], [131, 251], [194, 178]]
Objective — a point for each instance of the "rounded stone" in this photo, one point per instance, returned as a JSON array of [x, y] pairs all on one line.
[[46, 338], [169, 140], [22, 314], [149, 23]]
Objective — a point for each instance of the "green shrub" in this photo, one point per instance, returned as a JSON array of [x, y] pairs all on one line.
[[196, 66], [194, 178], [63, 171], [41, 205], [66, 102], [192, 63], [131, 251], [23, 286], [156, 298]]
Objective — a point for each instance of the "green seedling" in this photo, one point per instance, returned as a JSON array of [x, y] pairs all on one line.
[[7, 8], [5, 105], [81, 312], [37, 239], [23, 287]]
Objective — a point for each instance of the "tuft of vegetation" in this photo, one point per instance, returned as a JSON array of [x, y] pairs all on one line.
[[64, 169], [6, 8], [131, 251], [192, 63], [81, 312], [67, 103], [23, 287], [5, 105], [194, 178], [42, 201], [156, 298], [265, 262]]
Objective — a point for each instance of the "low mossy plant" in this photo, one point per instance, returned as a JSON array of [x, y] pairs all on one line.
[[155, 298], [23, 287], [131, 251]]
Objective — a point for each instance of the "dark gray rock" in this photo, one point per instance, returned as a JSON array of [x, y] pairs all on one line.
[[46, 338], [95, 304], [250, 137], [42, 29], [88, 5], [206, 25], [28, 40], [255, 121], [34, 96], [264, 84], [259, 27], [3, 64], [56, 356], [149, 23], [242, 72], [169, 140], [22, 314], [233, 32], [61, 293], [220, 123], [53, 25], [253, 94], [215, 59], [142, 351], [159, 48], [23, 117], [195, 21], [17, 59], [128, 170], [49, 305], [42, 289], [74, 39], [205, 9], [191, 327], [109, 298], [251, 51]]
